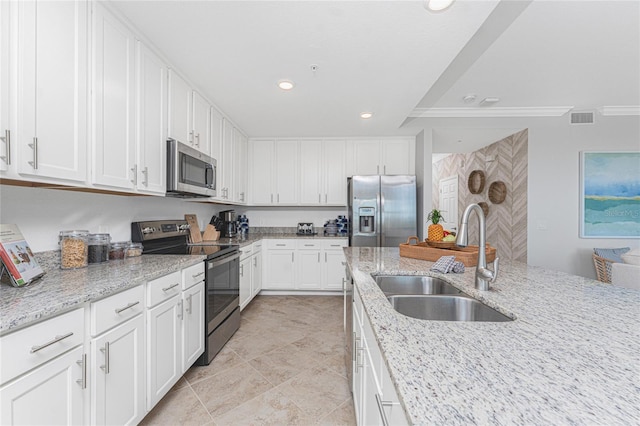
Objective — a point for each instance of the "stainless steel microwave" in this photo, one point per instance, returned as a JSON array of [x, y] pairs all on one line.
[[190, 173]]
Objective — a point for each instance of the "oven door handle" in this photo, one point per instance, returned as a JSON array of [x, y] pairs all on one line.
[[226, 259]]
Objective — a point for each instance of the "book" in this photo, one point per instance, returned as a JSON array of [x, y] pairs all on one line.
[[18, 262]]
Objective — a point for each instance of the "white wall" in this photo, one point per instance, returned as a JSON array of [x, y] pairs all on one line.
[[554, 185], [290, 216], [423, 177], [42, 213]]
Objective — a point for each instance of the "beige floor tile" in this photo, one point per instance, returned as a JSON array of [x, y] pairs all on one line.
[[225, 359], [344, 415], [282, 364], [336, 363], [317, 391], [180, 406], [270, 408], [250, 347], [230, 388]]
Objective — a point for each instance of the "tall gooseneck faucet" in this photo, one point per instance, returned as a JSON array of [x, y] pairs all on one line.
[[484, 276]]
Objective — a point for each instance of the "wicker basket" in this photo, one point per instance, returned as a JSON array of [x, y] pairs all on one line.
[[603, 268]]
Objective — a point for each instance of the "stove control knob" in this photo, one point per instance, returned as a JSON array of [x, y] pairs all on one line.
[[148, 230], [185, 227]]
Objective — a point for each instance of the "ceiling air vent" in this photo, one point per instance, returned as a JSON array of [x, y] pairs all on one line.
[[582, 117]]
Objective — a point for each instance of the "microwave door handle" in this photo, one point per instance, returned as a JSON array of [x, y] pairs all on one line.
[[183, 167]]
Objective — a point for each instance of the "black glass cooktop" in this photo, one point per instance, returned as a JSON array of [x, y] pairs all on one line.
[[201, 250]]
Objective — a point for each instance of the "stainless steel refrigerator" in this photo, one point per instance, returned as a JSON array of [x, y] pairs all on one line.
[[382, 210]]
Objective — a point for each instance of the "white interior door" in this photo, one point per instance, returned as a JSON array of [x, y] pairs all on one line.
[[449, 202]]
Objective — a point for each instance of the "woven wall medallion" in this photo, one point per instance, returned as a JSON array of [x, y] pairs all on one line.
[[497, 192], [476, 182]]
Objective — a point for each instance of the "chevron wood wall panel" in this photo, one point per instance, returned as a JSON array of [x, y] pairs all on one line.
[[506, 161]]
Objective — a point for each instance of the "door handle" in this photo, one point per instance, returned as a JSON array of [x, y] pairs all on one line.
[[7, 141], [134, 170], [83, 379], [145, 182], [34, 146], [190, 307], [105, 351]]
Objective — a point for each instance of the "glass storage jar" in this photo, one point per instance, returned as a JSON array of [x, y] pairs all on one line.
[[133, 250], [116, 252], [99, 248], [73, 249]]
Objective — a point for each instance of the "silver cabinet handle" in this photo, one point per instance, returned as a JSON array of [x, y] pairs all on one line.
[[83, 379], [242, 197], [145, 182], [105, 351], [325, 257], [378, 169], [319, 198], [255, 261], [280, 245], [278, 200], [34, 145], [129, 306], [198, 140], [134, 170], [325, 199], [355, 346], [309, 245], [190, 307], [199, 274], [292, 254], [242, 270], [191, 133], [384, 168], [56, 339], [181, 313], [7, 141], [271, 198], [381, 405], [318, 257], [171, 286]]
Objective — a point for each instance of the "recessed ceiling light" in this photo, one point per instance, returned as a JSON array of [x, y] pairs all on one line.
[[469, 99], [285, 84], [437, 5], [366, 115]]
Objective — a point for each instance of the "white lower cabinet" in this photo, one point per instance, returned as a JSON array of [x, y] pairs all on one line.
[[193, 325], [256, 273], [374, 396], [304, 264], [117, 390], [47, 395], [245, 277]]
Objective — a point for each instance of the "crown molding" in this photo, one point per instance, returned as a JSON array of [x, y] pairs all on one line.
[[488, 112], [619, 110]]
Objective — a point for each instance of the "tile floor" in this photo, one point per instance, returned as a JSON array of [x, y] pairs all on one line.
[[284, 366]]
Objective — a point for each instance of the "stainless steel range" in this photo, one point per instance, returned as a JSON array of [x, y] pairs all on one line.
[[222, 277]]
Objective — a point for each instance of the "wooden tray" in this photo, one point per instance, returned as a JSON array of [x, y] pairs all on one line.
[[467, 255]]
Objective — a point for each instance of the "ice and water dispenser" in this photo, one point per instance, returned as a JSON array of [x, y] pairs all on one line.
[[367, 223]]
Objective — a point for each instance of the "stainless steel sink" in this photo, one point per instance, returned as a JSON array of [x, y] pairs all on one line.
[[445, 308], [413, 284]]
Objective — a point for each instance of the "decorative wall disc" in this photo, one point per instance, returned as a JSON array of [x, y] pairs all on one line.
[[476, 182], [497, 192], [485, 208]]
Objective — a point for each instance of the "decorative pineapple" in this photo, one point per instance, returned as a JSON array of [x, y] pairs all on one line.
[[436, 232]]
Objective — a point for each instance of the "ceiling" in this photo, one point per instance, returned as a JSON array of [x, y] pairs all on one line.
[[408, 66]]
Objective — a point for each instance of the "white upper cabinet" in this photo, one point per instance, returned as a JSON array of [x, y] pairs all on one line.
[[240, 170], [151, 122], [113, 132], [179, 109], [334, 174], [225, 166], [5, 127], [311, 185], [286, 165], [216, 135], [52, 55], [382, 157], [201, 135], [261, 171]]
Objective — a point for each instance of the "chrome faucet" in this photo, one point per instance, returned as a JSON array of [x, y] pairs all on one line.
[[484, 276]]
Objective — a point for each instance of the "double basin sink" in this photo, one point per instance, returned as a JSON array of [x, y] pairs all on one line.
[[430, 298]]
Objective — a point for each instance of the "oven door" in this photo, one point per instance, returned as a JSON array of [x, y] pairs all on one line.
[[223, 288]]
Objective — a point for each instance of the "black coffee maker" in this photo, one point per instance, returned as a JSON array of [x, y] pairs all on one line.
[[230, 226]]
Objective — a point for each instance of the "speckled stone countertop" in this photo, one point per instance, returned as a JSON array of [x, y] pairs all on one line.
[[253, 237], [571, 356], [62, 290]]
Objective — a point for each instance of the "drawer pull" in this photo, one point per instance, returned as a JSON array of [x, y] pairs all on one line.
[[281, 245], [170, 287], [381, 405], [336, 245], [56, 339], [199, 274], [129, 306], [309, 245]]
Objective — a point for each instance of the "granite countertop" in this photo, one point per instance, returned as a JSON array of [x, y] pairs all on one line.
[[251, 238], [571, 356], [63, 290]]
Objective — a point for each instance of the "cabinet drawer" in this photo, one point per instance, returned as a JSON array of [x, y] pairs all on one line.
[[28, 348], [192, 275], [116, 309], [163, 288], [308, 244], [281, 244], [257, 246], [338, 244], [245, 252]]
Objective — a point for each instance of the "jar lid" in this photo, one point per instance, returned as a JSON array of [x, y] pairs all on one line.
[[75, 232], [135, 245], [120, 244]]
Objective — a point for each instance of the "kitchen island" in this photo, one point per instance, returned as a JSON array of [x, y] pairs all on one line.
[[570, 356]]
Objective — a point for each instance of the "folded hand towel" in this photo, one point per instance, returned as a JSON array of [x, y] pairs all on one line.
[[448, 264]]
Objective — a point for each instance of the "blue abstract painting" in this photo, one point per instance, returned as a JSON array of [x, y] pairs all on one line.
[[610, 195]]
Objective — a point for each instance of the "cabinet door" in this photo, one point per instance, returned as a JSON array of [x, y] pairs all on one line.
[[334, 163], [118, 375], [286, 166], [396, 157], [5, 128], [51, 394], [366, 157], [52, 109], [333, 269], [311, 188], [113, 132], [240, 169], [309, 270], [216, 137], [225, 190], [201, 123], [256, 274], [179, 109], [193, 325], [245, 282], [358, 376], [261, 171], [279, 270], [371, 414], [164, 363], [151, 135]]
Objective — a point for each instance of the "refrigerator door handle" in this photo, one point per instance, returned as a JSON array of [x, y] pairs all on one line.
[[381, 225]]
